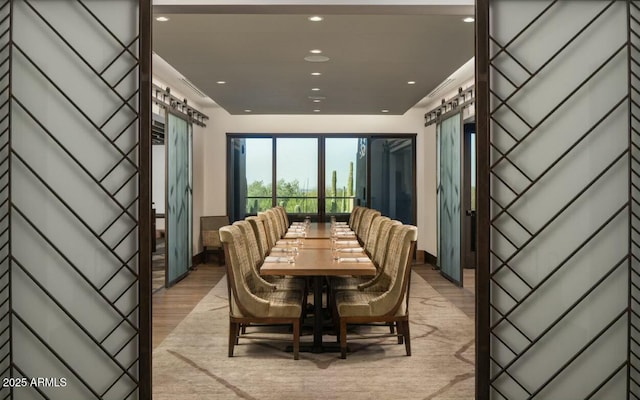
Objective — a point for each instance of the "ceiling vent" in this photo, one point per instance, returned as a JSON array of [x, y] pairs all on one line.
[[193, 87], [441, 87]]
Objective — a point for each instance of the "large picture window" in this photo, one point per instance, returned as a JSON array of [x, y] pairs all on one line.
[[297, 175], [321, 175]]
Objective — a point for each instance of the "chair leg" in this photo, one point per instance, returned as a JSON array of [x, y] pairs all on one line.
[[233, 336], [407, 336], [391, 327], [343, 338], [296, 338], [335, 318], [399, 327]]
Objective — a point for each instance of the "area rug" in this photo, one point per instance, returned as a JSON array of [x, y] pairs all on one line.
[[192, 363]]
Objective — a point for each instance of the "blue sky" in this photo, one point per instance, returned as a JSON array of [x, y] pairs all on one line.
[[298, 159]]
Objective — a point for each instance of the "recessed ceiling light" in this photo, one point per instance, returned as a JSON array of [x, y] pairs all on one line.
[[385, 111], [247, 111], [315, 89], [162, 19], [469, 19], [315, 18], [317, 101], [316, 110], [316, 73], [316, 58], [411, 83], [221, 82], [315, 51]]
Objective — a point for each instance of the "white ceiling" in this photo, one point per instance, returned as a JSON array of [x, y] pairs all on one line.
[[259, 52]]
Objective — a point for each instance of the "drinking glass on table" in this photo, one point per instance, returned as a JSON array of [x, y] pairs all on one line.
[[334, 249], [292, 252]]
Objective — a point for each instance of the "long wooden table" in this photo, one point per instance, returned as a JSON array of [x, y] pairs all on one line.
[[315, 260]]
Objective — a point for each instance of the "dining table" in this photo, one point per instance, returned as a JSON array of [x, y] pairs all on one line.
[[315, 259]]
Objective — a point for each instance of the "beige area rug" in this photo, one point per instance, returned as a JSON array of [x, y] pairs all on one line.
[[192, 363]]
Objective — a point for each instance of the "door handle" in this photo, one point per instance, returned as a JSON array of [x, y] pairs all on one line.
[[470, 213]]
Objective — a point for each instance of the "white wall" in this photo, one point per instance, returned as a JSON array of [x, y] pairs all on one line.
[[158, 177], [222, 123]]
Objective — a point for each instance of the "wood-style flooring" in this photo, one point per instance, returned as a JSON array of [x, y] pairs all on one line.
[[170, 306]]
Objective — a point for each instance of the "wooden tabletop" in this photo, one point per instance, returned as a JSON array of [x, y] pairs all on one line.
[[318, 230], [318, 262]]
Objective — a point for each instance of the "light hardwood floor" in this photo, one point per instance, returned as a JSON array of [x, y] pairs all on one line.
[[170, 306]]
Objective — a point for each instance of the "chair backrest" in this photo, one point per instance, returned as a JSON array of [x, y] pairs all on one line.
[[209, 226], [356, 214], [272, 237], [352, 216], [382, 244], [251, 243], [284, 216], [365, 224], [261, 235], [396, 271], [276, 222], [241, 276], [372, 237]]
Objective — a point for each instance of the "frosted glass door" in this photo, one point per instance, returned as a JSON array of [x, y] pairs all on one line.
[[449, 199], [74, 152], [178, 214]]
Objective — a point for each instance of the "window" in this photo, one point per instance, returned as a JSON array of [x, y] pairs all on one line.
[[250, 176], [297, 175], [321, 175], [340, 174]]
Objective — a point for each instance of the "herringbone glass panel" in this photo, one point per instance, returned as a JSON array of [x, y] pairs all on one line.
[[560, 199], [74, 197]]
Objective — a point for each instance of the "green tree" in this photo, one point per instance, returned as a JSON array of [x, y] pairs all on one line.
[[258, 189]]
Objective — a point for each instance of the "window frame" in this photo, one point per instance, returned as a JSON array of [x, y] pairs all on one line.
[[321, 214]]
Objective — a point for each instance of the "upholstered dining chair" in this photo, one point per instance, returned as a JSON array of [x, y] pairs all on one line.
[[250, 301], [357, 215], [272, 236], [377, 255], [283, 215], [365, 224], [259, 231], [277, 222], [388, 301], [352, 217], [372, 238], [256, 261]]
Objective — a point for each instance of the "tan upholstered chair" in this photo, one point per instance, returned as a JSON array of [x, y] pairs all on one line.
[[284, 217], [256, 261], [249, 300], [390, 305], [209, 226], [377, 255], [276, 222], [354, 218], [272, 236], [365, 224], [261, 235], [372, 238]]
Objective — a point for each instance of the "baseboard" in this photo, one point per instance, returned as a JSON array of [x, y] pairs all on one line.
[[426, 257], [197, 259]]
